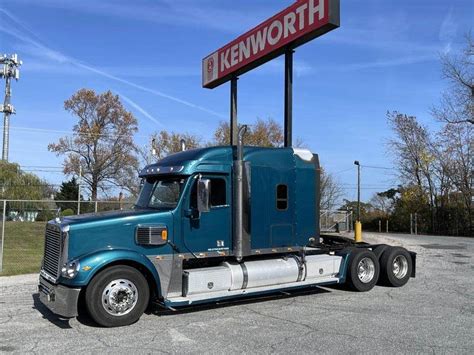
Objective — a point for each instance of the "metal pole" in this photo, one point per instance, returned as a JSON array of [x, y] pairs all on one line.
[[416, 224], [358, 192], [6, 119], [289, 98], [79, 191], [95, 206], [386, 229], [380, 226], [4, 219], [233, 112], [411, 223]]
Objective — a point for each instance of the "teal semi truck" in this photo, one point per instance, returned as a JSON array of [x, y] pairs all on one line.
[[209, 224]]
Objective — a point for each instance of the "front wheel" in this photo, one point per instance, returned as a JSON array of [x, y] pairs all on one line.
[[363, 272], [117, 296]]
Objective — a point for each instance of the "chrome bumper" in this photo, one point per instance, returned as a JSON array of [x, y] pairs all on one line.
[[59, 299]]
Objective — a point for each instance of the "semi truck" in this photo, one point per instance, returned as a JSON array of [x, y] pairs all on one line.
[[209, 224]]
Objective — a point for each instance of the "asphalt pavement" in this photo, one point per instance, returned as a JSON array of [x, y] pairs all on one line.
[[433, 313]]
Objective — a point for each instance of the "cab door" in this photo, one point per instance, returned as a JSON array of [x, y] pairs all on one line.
[[208, 231]]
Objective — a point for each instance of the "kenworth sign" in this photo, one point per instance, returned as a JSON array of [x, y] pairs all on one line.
[[296, 25]]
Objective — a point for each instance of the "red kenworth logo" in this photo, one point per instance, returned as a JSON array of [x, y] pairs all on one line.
[[210, 65]]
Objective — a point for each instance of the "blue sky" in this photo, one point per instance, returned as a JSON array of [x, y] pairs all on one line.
[[385, 56]]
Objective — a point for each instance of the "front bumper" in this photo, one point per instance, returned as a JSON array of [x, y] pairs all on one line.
[[59, 299]]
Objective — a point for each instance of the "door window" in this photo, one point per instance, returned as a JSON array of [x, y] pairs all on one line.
[[218, 197]]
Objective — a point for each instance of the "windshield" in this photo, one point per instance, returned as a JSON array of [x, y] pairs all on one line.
[[160, 193]]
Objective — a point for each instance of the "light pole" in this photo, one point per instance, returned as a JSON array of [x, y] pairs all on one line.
[[358, 225]]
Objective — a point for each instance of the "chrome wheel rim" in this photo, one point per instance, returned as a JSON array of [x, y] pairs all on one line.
[[366, 270], [119, 297], [400, 266]]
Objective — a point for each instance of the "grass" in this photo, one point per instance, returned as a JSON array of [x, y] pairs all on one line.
[[23, 249]]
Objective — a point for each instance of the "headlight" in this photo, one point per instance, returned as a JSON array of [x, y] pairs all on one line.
[[70, 269]]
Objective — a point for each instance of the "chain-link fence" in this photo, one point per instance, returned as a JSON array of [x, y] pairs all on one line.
[[23, 226], [335, 221]]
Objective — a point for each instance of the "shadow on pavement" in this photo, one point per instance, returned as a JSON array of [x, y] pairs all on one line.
[[277, 295], [159, 310], [62, 323]]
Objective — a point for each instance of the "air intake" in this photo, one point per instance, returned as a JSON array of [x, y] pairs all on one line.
[[151, 235]]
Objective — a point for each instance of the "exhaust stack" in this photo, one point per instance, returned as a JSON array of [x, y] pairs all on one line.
[[240, 245], [183, 145]]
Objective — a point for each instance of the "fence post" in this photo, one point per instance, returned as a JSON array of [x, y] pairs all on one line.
[[4, 219], [380, 226], [95, 206], [386, 226], [416, 224], [411, 223]]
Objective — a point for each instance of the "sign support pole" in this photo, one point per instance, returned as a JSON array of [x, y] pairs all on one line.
[[233, 112], [289, 98]]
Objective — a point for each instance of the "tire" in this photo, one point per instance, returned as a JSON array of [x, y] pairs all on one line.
[[380, 249], [395, 267], [360, 260], [117, 296]]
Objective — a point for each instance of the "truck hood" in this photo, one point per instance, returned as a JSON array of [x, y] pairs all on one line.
[[104, 216]]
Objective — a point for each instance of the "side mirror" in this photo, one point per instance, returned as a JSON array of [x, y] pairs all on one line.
[[203, 194]]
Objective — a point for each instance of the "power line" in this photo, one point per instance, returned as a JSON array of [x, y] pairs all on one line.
[[75, 134], [376, 167]]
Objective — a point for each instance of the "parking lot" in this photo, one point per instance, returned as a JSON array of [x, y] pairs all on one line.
[[433, 313]]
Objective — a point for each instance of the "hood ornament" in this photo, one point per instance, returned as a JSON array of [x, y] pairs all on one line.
[[58, 215]]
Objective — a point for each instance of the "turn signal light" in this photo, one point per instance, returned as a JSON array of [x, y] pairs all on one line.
[[164, 234]]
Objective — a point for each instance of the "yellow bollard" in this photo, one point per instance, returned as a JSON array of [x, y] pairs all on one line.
[[358, 232]]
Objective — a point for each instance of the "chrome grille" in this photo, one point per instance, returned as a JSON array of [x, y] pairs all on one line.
[[52, 250]]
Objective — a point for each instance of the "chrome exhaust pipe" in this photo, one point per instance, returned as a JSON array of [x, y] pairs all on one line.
[[238, 244]]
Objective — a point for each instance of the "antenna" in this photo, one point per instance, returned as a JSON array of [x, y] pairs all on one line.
[[9, 71]]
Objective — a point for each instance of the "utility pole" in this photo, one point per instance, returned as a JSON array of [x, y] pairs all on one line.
[[9, 71], [79, 191]]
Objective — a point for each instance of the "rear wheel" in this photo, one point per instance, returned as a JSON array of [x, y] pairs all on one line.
[[396, 267], [363, 271], [117, 296]]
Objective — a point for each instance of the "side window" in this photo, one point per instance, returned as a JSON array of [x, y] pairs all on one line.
[[282, 197], [218, 193]]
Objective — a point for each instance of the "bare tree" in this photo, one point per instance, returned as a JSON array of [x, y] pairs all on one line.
[[264, 133], [457, 103], [459, 144], [415, 155], [331, 191], [102, 145]]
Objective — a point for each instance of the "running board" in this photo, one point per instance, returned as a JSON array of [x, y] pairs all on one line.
[[220, 295]]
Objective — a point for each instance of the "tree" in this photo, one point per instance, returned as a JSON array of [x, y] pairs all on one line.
[[68, 191], [166, 143], [16, 184], [330, 191], [102, 144], [415, 155], [263, 134], [457, 103]]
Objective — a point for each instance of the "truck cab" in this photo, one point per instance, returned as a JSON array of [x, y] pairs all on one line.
[[209, 224]]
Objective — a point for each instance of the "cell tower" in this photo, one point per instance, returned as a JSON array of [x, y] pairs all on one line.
[[9, 71]]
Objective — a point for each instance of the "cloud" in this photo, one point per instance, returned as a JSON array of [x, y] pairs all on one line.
[[176, 13], [448, 30], [61, 58], [387, 63], [139, 109]]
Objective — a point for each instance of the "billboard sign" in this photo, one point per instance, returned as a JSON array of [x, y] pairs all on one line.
[[292, 27]]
